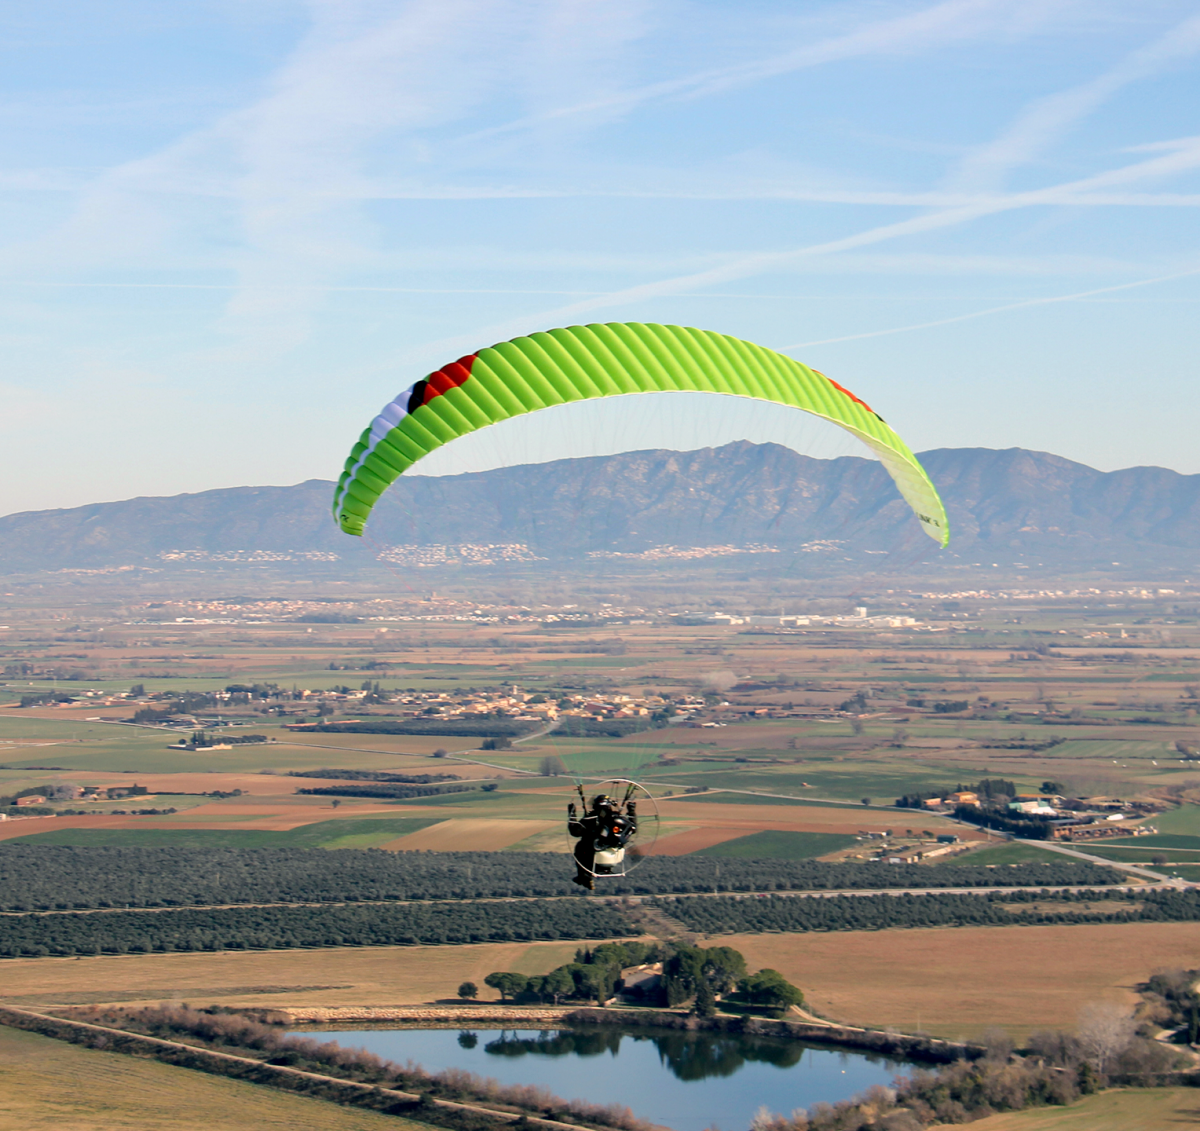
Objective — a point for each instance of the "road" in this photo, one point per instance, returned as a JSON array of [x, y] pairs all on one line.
[[1132, 869]]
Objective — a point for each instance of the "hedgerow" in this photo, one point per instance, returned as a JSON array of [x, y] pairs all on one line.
[[257, 928], [56, 877]]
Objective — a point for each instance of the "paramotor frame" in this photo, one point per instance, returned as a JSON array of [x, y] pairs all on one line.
[[641, 843]]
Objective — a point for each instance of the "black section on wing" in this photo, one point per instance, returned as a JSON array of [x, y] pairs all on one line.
[[417, 397]]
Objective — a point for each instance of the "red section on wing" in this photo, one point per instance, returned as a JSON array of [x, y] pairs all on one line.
[[856, 400], [448, 377]]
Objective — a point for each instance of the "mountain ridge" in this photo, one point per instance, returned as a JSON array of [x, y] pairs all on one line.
[[1011, 504]]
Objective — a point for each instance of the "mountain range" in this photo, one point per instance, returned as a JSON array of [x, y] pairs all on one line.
[[1011, 507]]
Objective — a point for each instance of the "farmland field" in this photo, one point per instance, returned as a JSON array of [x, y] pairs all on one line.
[[351, 976], [775, 845], [1033, 691], [1182, 821], [1005, 854], [1146, 1109], [48, 1085], [958, 982], [366, 832]]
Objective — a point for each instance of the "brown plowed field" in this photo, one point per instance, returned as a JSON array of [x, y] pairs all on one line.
[[199, 782], [958, 981], [692, 840], [257, 785], [268, 818], [469, 834]]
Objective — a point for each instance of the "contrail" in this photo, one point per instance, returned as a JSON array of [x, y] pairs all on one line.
[[993, 310]]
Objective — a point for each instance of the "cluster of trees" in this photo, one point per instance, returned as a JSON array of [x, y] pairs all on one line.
[[576, 726], [1024, 744], [698, 975], [55, 791], [202, 738], [1027, 827], [112, 812], [245, 692], [990, 791], [730, 915], [44, 698], [1171, 1001], [181, 703], [49, 877], [228, 1031], [66, 791], [689, 974], [768, 989], [259, 928], [372, 775], [394, 792], [595, 975], [456, 728]]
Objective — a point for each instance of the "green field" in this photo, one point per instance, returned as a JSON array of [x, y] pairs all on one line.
[[1113, 750], [851, 780], [722, 797], [1160, 840], [1136, 856], [1004, 854], [775, 845], [364, 832], [99, 748], [1184, 820]]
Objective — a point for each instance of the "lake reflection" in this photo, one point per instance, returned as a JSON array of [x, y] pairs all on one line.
[[689, 1056], [687, 1081]]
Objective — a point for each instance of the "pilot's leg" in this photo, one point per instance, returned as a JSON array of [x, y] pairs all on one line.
[[584, 862]]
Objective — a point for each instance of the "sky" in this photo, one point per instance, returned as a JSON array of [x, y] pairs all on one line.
[[233, 229]]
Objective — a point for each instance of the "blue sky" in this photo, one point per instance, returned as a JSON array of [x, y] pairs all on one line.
[[233, 229]]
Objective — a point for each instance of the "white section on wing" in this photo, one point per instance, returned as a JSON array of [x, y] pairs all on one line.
[[391, 415]]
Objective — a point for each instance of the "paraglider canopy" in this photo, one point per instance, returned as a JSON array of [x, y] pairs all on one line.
[[580, 363]]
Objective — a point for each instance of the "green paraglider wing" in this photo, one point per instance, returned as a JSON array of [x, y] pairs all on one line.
[[579, 363]]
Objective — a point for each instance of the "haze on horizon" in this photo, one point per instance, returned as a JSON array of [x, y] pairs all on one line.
[[234, 230]]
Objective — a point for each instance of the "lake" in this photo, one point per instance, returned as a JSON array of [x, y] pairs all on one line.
[[685, 1080]]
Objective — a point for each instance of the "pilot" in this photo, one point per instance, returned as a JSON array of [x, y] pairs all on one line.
[[603, 832]]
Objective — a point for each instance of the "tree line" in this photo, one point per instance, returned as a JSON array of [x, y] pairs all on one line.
[[733, 915], [372, 775], [44, 877], [121, 932], [269, 928], [456, 728], [388, 790]]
